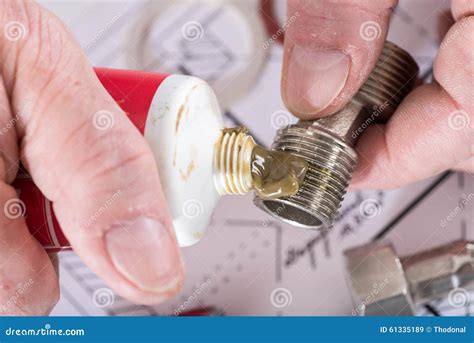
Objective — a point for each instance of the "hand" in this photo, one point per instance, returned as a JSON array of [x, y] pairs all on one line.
[[48, 96], [432, 129]]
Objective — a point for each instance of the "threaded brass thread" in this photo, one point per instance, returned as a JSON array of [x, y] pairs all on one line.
[[232, 161]]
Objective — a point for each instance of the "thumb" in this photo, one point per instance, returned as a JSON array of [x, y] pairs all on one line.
[[330, 49], [103, 182]]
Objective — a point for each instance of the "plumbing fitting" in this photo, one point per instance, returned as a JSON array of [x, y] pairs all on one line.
[[327, 144], [384, 284]]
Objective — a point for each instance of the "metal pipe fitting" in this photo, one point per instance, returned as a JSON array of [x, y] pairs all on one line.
[[384, 284], [327, 144]]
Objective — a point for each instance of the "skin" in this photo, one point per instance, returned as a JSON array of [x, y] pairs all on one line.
[[417, 142], [79, 167]]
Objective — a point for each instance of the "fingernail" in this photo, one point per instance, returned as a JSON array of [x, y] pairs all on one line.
[[314, 78], [144, 251]]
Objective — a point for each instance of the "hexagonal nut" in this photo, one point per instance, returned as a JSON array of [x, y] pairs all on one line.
[[437, 271], [377, 281]]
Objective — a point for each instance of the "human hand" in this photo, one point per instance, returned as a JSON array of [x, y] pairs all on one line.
[[48, 97], [326, 61]]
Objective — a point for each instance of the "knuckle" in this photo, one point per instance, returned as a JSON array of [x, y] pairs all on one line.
[[115, 156], [34, 39]]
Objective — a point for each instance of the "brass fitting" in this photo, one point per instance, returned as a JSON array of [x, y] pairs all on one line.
[[240, 166], [327, 144], [232, 161]]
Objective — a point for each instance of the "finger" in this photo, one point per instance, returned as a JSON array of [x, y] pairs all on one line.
[[8, 138], [462, 8], [419, 141], [466, 166], [454, 64], [432, 130], [329, 51], [28, 281], [103, 183]]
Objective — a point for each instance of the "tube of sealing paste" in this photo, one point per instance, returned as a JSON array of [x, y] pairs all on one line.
[[180, 119], [197, 158]]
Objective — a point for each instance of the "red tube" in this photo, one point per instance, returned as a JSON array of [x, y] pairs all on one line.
[[133, 91]]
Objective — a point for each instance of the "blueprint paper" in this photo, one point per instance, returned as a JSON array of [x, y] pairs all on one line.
[[248, 258]]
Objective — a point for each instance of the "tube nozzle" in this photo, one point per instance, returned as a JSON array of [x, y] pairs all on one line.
[[240, 165]]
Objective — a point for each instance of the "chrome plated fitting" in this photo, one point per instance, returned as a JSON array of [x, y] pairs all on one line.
[[327, 144], [384, 284]]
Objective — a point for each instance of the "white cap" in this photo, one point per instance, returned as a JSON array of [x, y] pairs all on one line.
[[183, 125]]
